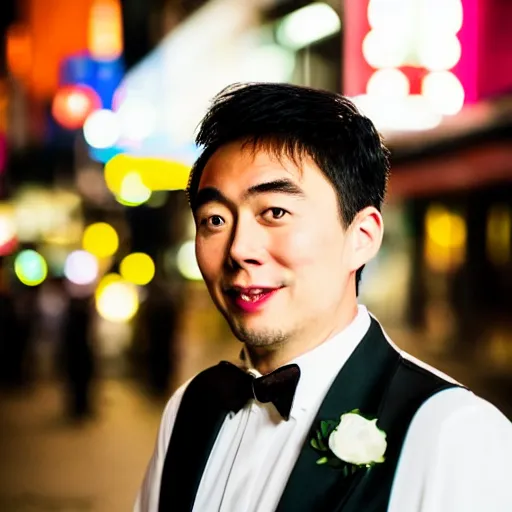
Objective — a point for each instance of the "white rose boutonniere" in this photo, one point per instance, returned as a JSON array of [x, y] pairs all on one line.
[[355, 441]]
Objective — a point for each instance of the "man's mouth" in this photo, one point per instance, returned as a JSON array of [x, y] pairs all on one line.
[[254, 294], [252, 298]]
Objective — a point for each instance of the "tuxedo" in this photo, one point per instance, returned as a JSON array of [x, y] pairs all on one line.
[[376, 379]]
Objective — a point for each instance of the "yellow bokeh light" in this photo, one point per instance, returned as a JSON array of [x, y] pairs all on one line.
[[116, 299], [100, 239], [445, 243], [106, 280], [133, 191], [154, 173], [445, 228], [137, 268]]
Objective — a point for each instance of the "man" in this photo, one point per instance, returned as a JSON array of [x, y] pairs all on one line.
[[322, 412]]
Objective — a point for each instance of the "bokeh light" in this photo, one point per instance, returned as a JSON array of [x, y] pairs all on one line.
[[81, 267], [30, 267], [105, 30], [101, 129], [388, 83], [446, 238], [444, 92], [385, 48], [116, 299], [441, 16], [137, 268], [100, 239], [444, 227], [72, 104], [438, 52], [153, 173], [388, 14], [187, 263], [18, 50], [8, 235], [307, 25], [106, 280], [133, 191]]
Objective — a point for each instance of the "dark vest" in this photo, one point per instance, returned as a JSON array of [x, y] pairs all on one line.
[[375, 379]]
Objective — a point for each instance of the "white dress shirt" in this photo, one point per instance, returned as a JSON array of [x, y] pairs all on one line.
[[457, 455]]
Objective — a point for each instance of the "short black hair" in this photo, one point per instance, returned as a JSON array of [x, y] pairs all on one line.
[[294, 121]]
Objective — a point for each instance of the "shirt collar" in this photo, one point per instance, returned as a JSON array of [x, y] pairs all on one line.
[[319, 366]]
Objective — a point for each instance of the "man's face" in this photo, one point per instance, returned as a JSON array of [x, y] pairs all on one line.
[[271, 247]]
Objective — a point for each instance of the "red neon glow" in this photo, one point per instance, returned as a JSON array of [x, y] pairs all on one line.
[[72, 105]]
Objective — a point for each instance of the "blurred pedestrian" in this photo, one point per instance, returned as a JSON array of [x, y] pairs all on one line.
[[78, 359]]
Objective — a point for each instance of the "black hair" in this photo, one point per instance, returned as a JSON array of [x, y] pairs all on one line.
[[295, 121]]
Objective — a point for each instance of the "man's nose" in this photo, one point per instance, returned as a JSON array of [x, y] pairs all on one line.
[[248, 243]]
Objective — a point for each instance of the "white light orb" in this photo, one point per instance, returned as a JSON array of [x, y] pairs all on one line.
[[101, 129], [398, 114], [383, 48], [81, 267], [118, 301], [390, 14], [439, 52], [441, 16], [444, 92], [388, 83]]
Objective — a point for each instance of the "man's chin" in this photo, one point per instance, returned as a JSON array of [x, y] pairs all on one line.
[[257, 335]]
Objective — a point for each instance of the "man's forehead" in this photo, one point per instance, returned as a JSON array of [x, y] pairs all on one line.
[[239, 163]]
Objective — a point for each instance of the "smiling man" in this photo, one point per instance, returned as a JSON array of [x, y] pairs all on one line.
[[322, 412]]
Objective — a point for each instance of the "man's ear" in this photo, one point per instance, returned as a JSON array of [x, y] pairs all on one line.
[[366, 232]]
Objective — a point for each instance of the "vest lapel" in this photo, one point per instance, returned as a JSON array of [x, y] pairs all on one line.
[[197, 425], [360, 384], [410, 386]]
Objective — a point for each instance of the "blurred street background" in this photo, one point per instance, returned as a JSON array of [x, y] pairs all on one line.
[[102, 310]]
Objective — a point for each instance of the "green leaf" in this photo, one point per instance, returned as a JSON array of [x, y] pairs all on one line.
[[323, 460], [323, 447], [314, 444], [324, 426], [320, 441]]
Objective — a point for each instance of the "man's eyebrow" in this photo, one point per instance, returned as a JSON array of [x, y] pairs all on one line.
[[283, 186], [209, 195], [214, 195]]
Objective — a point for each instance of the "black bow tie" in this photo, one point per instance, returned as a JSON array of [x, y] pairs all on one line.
[[236, 387]]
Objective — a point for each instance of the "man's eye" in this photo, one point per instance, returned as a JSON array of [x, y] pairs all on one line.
[[215, 221], [274, 213]]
